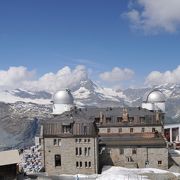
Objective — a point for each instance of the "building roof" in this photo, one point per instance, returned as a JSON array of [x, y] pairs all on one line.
[[9, 157], [134, 139], [89, 115], [79, 126], [91, 112]]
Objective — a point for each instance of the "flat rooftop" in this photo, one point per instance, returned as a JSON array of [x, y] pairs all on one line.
[[9, 157], [134, 139]]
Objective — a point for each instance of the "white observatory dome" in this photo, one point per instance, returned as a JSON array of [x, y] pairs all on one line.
[[154, 96], [154, 100], [63, 97], [62, 101]]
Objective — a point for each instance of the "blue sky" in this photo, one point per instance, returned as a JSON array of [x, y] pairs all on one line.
[[46, 35]]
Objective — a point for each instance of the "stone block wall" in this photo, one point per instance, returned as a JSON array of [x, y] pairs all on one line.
[[118, 156], [67, 150]]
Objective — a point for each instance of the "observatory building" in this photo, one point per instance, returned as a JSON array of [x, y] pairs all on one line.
[[154, 100], [83, 140], [62, 101]]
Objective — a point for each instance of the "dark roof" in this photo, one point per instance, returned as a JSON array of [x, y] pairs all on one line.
[[114, 111], [135, 140], [78, 126], [91, 112]]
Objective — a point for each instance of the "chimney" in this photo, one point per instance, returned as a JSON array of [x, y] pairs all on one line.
[[157, 116], [125, 115]]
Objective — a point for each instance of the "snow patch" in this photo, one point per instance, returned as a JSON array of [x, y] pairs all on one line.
[[109, 93], [82, 93], [113, 173], [10, 98]]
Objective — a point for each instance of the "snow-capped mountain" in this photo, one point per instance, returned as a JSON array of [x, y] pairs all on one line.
[[21, 111], [87, 93]]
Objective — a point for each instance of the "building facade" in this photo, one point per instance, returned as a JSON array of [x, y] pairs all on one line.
[[70, 147], [83, 140]]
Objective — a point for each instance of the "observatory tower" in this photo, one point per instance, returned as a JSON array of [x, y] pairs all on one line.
[[62, 101], [154, 100]]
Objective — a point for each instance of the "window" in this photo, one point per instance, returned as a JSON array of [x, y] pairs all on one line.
[[86, 165], [77, 164], [57, 158], [120, 130], [119, 119], [131, 119], [129, 159], [80, 164], [121, 151], [89, 149], [66, 129], [80, 151], [142, 119], [108, 130], [143, 129], [159, 162], [77, 151], [89, 140], [108, 120], [85, 151], [77, 140], [131, 130], [59, 142], [153, 129], [85, 140], [134, 151], [89, 164], [55, 142]]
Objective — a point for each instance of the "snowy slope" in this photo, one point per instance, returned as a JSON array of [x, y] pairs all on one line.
[[21, 107], [13, 96], [114, 173], [87, 93]]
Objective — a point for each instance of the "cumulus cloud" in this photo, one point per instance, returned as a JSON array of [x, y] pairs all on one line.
[[20, 77], [117, 75], [154, 16], [14, 77], [64, 78], [156, 77]]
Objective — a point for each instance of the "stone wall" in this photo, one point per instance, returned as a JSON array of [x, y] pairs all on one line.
[[117, 156], [67, 150]]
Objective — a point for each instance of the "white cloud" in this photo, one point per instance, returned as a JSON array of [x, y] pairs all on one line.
[[64, 78], [156, 77], [154, 16], [117, 75], [14, 77], [20, 77]]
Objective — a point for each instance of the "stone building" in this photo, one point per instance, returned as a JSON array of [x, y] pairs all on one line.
[[130, 137], [70, 146], [83, 140]]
